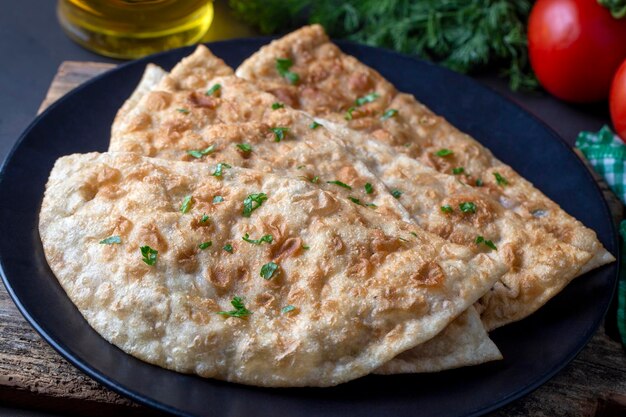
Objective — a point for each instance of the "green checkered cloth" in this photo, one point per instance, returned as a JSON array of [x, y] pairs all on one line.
[[607, 154]]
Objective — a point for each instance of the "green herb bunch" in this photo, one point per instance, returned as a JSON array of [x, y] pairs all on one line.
[[464, 35]]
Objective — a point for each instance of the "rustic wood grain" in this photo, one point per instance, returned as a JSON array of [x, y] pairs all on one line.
[[33, 375]]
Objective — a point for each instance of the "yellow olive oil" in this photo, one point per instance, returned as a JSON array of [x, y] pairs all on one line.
[[134, 28]]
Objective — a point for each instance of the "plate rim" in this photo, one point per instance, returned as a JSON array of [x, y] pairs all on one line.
[[119, 388]]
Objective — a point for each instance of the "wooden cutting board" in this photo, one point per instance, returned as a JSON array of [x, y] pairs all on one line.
[[34, 376]]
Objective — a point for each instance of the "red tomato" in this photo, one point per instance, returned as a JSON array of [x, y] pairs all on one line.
[[617, 101], [575, 46]]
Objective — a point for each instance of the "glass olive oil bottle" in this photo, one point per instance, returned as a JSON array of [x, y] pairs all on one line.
[[134, 28]]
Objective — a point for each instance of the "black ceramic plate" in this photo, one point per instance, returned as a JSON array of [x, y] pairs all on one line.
[[534, 349]]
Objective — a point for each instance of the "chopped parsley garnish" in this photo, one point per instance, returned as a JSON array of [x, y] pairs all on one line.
[[113, 240], [414, 234], [149, 255], [253, 202], [267, 270], [366, 99], [240, 310], [205, 245], [287, 309], [468, 207], [244, 147], [314, 125], [396, 193], [228, 248], [444, 152], [300, 167], [458, 171], [264, 238], [500, 179], [339, 183], [183, 111], [357, 201], [488, 243], [186, 204], [204, 218], [279, 133], [306, 247], [389, 114], [446, 208], [215, 89], [368, 188], [218, 199], [200, 153], [479, 183], [348, 115], [219, 168], [277, 105], [282, 66]]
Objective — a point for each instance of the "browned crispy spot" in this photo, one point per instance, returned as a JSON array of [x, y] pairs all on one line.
[[290, 247], [139, 122], [202, 100], [150, 235], [157, 100], [359, 82], [187, 260], [429, 274]]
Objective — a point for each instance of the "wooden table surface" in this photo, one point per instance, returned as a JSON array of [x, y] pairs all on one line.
[[34, 376]]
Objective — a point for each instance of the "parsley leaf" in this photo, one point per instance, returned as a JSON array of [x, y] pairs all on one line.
[[479, 183], [113, 240], [446, 208], [348, 115], [279, 133], [183, 111], [500, 179], [205, 218], [389, 114], [218, 199], [186, 204], [277, 105], [444, 152], [358, 202], [282, 66], [287, 309], [314, 125], [488, 243], [219, 168], [215, 89], [244, 147], [468, 207], [458, 171], [205, 245], [228, 248], [149, 255], [368, 188], [396, 193], [264, 238], [366, 99], [200, 153], [339, 183], [240, 310], [267, 270], [253, 202]]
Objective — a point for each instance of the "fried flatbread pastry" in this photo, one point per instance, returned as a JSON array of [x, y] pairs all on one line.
[[303, 150], [337, 87], [274, 283]]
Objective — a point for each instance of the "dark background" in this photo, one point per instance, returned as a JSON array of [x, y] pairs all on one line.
[[32, 46]]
